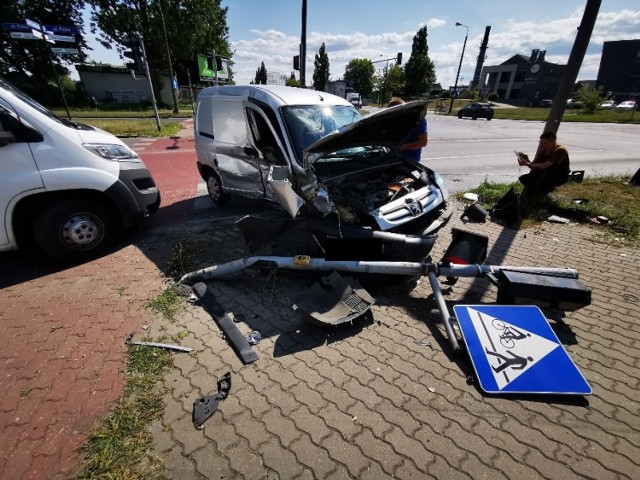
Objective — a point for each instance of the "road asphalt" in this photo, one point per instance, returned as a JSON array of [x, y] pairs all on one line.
[[383, 397]]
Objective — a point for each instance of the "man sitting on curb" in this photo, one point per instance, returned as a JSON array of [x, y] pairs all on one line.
[[549, 168]]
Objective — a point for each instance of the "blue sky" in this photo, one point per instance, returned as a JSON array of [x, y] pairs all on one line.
[[270, 31]]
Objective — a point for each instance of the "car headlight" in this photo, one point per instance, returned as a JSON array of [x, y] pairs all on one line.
[[112, 151], [440, 182]]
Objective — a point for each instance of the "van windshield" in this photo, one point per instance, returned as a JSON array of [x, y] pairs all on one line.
[[307, 124]]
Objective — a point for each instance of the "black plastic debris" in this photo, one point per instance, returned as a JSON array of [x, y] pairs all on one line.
[[225, 322], [204, 407], [334, 300]]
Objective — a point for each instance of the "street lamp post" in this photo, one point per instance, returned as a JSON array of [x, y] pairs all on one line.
[[455, 86]]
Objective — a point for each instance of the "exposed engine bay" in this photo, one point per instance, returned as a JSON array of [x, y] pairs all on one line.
[[355, 196]]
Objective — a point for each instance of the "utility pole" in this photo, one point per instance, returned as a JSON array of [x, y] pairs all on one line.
[[481, 56], [573, 65], [455, 86], [153, 95], [303, 46], [171, 75]]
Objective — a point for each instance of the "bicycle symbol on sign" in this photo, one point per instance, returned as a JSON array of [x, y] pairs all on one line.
[[509, 334]]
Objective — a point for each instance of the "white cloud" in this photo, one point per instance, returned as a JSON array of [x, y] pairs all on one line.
[[556, 36]]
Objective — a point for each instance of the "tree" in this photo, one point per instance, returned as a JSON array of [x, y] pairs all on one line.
[[591, 98], [293, 81], [27, 61], [395, 83], [321, 70], [192, 27], [419, 71], [359, 75], [261, 75]]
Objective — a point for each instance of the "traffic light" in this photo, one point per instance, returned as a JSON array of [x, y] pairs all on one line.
[[296, 62], [399, 59], [135, 53]]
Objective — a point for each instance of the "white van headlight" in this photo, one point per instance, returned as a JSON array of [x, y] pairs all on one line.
[[112, 151]]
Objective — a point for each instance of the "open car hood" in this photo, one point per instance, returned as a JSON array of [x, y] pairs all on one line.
[[387, 128]]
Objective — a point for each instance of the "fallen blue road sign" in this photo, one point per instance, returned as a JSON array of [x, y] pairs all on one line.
[[514, 350]]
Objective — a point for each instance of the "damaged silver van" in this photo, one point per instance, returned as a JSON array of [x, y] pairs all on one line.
[[317, 156]]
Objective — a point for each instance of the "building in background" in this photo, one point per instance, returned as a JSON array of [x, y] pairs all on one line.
[[107, 83], [619, 72], [522, 81]]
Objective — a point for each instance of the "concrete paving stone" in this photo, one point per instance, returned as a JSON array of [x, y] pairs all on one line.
[[178, 466], [311, 455], [223, 434], [255, 402], [546, 469], [312, 399], [340, 421], [347, 454], [285, 401], [328, 371], [190, 438], [337, 395], [371, 419], [280, 459], [246, 463], [310, 423], [162, 440], [399, 417], [409, 448], [380, 453], [174, 410], [280, 426], [366, 395], [251, 429]]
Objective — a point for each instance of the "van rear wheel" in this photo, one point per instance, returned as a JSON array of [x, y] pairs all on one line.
[[216, 193], [75, 230]]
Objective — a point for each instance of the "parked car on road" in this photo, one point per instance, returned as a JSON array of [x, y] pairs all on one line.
[[608, 105], [571, 103], [476, 110], [316, 155], [627, 105], [546, 103], [68, 186]]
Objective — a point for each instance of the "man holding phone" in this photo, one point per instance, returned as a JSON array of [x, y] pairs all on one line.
[[549, 168]]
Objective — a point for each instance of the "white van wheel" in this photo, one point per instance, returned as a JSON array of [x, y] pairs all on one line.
[[74, 230], [214, 187]]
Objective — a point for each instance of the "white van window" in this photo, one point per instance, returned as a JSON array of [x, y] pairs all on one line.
[[229, 125], [205, 125]]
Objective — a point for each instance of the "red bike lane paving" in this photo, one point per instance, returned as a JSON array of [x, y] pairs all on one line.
[[62, 349]]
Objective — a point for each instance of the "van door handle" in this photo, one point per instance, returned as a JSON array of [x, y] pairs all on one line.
[[250, 151]]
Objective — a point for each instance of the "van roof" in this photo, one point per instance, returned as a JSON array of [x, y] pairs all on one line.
[[277, 95]]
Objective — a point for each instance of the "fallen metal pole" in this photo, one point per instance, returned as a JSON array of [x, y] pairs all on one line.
[[427, 268], [391, 268]]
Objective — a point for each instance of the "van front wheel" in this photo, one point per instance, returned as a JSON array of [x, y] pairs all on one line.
[[74, 230], [214, 187]]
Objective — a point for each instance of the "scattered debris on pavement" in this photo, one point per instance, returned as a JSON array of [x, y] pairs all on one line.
[[166, 346], [204, 407]]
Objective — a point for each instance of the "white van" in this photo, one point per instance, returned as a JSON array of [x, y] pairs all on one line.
[[67, 186], [316, 155]]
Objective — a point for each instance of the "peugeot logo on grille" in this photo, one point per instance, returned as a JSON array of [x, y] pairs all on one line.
[[415, 208]]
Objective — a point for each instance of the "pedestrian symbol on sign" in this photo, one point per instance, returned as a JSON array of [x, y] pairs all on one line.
[[513, 349]]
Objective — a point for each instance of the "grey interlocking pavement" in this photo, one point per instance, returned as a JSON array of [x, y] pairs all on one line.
[[368, 401], [360, 401]]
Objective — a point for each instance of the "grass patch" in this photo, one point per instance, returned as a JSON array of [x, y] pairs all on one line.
[[121, 444], [181, 260], [137, 128], [125, 110], [166, 304], [611, 197], [541, 114]]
